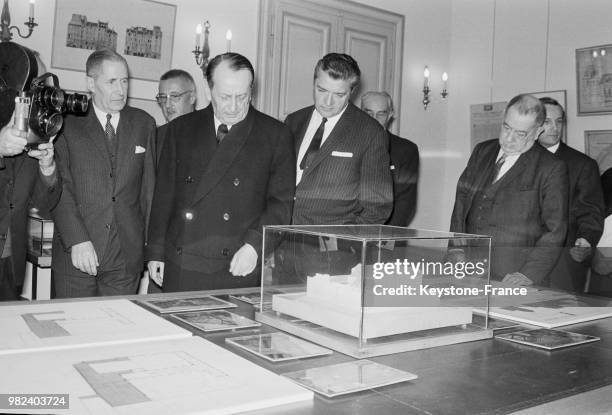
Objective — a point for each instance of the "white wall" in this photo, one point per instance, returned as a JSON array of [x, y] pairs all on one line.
[[240, 16]]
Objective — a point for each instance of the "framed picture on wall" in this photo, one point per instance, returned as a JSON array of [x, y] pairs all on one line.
[[594, 80], [140, 30], [598, 146], [561, 97]]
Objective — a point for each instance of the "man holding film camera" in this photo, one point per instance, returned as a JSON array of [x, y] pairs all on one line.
[[23, 178]]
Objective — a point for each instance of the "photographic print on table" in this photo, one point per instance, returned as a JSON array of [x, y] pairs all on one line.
[[140, 30], [174, 305], [278, 347], [594, 80], [348, 377], [547, 339], [598, 146], [216, 320]]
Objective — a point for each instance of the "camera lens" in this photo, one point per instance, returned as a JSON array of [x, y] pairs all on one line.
[[50, 122], [76, 103], [49, 96]]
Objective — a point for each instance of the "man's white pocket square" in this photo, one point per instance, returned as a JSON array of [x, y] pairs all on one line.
[[341, 154], [140, 150]]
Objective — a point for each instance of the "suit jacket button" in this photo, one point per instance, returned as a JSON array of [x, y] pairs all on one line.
[[188, 179], [226, 217], [188, 215], [236, 181], [114, 199], [11, 206], [225, 252], [179, 251]]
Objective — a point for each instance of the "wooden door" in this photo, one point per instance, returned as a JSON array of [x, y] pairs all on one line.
[[295, 34]]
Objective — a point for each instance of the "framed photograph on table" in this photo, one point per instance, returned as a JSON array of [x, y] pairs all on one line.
[[598, 146], [140, 30], [594, 80], [561, 97]]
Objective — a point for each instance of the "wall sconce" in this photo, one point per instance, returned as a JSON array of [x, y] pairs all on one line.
[[202, 55], [5, 23], [426, 87], [444, 92], [427, 90]]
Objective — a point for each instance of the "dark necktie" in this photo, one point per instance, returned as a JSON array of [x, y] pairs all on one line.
[[109, 130], [221, 133], [498, 165], [314, 146]]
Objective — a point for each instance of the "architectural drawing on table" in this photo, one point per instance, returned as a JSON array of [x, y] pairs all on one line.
[[128, 380], [44, 328]]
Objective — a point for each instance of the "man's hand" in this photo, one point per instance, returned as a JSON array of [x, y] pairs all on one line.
[[581, 250], [244, 261], [84, 258], [44, 154], [516, 278], [12, 141], [156, 271]]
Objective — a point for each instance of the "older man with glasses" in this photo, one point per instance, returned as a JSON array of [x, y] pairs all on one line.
[[177, 96], [517, 193]]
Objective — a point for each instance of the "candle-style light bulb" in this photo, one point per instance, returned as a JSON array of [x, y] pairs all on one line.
[[426, 77], [228, 37], [198, 35], [32, 9]]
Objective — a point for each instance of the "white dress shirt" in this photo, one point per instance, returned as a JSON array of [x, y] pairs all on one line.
[[315, 121]]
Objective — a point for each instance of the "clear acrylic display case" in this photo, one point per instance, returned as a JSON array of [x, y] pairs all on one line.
[[40, 236], [367, 290]]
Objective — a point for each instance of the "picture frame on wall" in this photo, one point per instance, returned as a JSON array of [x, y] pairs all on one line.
[[598, 146], [140, 30], [561, 97], [594, 80]]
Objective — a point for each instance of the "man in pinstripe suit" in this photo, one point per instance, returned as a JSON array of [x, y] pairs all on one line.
[[342, 172], [106, 159], [342, 154]]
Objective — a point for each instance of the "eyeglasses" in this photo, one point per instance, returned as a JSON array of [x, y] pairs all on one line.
[[163, 98]]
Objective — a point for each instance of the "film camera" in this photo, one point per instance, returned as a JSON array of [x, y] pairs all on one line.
[[39, 111], [39, 102]]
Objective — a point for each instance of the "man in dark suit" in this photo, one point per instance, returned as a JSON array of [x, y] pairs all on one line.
[[404, 156], [516, 192], [231, 172], [176, 97], [23, 180], [342, 154], [106, 159], [586, 203]]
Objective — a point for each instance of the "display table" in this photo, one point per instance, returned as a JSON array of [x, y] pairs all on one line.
[[480, 377]]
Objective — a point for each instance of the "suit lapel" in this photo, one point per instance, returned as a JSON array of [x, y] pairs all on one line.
[[224, 156], [302, 133], [125, 145], [338, 134]]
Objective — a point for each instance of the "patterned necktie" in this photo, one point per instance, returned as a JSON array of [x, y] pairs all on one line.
[[221, 133], [498, 165], [314, 146], [109, 130]]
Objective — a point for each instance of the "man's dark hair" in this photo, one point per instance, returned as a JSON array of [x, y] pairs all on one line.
[[339, 66], [527, 104], [554, 102], [98, 57], [235, 61], [180, 74]]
